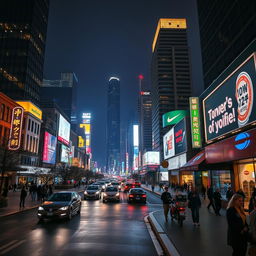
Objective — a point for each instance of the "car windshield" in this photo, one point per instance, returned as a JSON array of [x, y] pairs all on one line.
[[137, 191], [111, 189], [92, 188], [115, 183], [60, 197]]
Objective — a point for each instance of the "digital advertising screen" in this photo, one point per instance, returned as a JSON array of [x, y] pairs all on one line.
[[168, 143], [64, 130], [65, 153], [151, 158], [49, 151]]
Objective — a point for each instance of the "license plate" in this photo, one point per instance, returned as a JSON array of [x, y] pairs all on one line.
[[137, 198], [49, 214], [182, 213]]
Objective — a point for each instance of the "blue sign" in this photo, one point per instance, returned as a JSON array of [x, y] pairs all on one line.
[[242, 141]]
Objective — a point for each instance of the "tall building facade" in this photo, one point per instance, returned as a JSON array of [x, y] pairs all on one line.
[[23, 29], [63, 92], [170, 74], [113, 125], [145, 122], [226, 29]]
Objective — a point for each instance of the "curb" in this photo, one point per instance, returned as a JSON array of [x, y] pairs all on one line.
[[149, 190], [167, 245], [24, 210]]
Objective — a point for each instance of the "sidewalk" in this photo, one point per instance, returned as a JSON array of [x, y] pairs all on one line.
[[209, 239], [14, 200]]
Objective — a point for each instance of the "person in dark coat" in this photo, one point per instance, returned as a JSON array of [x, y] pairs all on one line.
[[229, 193], [194, 203], [252, 200], [167, 199], [23, 195], [217, 201], [237, 226], [210, 197], [203, 191], [152, 187]]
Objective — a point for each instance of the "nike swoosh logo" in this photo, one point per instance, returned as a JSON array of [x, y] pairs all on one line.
[[171, 119]]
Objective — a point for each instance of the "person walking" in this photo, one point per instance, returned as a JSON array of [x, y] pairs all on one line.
[[210, 197], [237, 226], [166, 197], [229, 193], [252, 200], [194, 203], [217, 201], [252, 228], [152, 187], [203, 191], [23, 195]]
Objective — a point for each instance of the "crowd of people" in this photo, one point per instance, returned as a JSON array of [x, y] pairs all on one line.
[[241, 226]]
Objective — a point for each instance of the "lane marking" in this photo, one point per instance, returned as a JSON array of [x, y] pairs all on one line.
[[157, 245], [12, 247], [6, 245]]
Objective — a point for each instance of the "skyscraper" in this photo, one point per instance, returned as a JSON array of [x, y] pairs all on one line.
[[63, 92], [145, 120], [113, 125], [226, 29], [170, 74], [23, 27]]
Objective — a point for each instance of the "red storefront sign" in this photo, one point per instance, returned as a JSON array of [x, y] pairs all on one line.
[[16, 128], [240, 146]]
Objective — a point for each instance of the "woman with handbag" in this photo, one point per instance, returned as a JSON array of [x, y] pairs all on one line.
[[237, 226]]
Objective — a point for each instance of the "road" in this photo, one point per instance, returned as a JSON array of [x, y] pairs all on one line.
[[101, 229]]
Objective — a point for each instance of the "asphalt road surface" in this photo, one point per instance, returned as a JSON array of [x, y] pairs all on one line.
[[109, 229]]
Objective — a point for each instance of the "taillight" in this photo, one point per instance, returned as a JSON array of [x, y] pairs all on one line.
[[131, 195], [126, 186], [144, 196], [182, 209]]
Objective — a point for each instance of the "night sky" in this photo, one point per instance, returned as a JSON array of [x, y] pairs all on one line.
[[100, 39]]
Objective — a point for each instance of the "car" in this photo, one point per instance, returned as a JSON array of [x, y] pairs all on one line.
[[63, 204], [111, 194], [137, 184], [116, 185], [101, 186], [92, 192], [127, 187], [104, 184], [136, 195]]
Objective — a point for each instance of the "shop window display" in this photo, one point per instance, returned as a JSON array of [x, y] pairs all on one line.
[[221, 179]]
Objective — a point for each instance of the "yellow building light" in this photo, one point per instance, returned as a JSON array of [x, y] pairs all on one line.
[[168, 24], [31, 108]]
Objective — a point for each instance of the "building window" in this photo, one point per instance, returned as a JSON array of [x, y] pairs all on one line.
[[2, 112], [32, 126], [29, 123], [222, 180]]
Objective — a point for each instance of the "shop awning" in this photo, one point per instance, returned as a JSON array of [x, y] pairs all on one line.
[[193, 164]]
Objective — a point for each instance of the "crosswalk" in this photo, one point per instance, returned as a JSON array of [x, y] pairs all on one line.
[[4, 249]]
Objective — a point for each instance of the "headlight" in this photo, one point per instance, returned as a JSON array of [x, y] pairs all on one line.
[[104, 194], [117, 194], [64, 208], [40, 208], [119, 187], [97, 192], [85, 192]]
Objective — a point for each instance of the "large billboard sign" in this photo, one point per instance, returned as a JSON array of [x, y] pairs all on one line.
[[64, 130], [31, 108], [135, 135], [175, 141], [229, 106], [195, 122], [151, 158], [16, 128], [49, 151], [65, 154], [173, 117]]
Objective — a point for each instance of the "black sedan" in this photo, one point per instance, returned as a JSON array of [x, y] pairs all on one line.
[[137, 195], [60, 205]]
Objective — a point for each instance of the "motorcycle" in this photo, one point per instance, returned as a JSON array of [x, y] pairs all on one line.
[[178, 207]]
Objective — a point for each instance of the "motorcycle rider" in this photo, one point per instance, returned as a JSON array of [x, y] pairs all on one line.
[[167, 199]]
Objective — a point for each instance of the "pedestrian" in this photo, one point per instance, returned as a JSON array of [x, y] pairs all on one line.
[[237, 226], [167, 199], [185, 186], [210, 197], [194, 203], [252, 229], [152, 187], [14, 187], [203, 191], [229, 193], [217, 201], [39, 193], [23, 195], [50, 190], [252, 200]]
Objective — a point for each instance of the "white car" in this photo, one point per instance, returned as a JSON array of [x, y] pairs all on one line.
[[111, 194]]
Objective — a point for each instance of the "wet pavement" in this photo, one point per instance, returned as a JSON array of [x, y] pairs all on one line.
[[101, 229]]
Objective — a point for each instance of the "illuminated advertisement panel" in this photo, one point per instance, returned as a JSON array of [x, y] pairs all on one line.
[[169, 147], [80, 142], [31, 108], [135, 135], [65, 153], [16, 128], [151, 158], [135, 158], [64, 130], [49, 151]]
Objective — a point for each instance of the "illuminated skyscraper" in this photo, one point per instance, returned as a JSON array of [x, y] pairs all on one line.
[[23, 27], [170, 74], [113, 125]]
